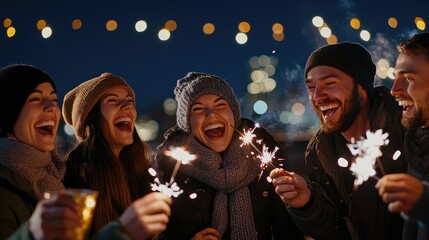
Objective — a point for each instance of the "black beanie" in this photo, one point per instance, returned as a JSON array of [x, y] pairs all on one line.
[[195, 84], [351, 58], [17, 82]]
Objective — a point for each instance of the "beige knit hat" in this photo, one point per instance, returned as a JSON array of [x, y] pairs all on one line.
[[79, 102]]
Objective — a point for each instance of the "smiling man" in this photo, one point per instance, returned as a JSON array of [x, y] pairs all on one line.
[[409, 193], [340, 83]]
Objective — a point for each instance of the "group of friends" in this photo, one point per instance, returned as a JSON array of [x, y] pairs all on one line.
[[232, 198]]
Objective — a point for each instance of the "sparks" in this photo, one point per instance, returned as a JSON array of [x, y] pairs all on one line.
[[247, 136], [368, 153], [171, 190], [180, 154], [266, 156]]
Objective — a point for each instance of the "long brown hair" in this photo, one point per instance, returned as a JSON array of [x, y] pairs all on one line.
[[118, 181]]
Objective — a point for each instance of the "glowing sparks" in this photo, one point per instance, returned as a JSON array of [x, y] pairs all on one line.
[[396, 155], [180, 154], [171, 190], [266, 156], [247, 136], [368, 153]]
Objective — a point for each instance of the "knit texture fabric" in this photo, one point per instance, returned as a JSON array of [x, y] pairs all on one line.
[[416, 148], [43, 170], [351, 58], [195, 84], [17, 82], [79, 102], [230, 175]]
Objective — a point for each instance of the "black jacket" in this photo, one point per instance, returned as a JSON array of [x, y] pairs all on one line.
[[17, 201], [336, 210], [190, 216]]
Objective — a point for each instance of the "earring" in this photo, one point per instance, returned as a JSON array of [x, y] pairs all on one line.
[[12, 137]]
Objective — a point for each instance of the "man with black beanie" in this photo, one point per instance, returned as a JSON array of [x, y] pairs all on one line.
[[340, 83]]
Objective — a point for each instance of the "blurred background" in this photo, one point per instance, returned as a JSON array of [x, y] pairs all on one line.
[[259, 47]]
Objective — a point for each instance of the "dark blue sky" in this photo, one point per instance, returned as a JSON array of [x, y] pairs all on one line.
[[152, 66]]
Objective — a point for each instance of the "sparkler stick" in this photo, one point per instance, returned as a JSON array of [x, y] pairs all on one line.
[[182, 156]]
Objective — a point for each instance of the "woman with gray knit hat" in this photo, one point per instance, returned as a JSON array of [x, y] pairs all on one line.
[[29, 163], [232, 198], [112, 159]]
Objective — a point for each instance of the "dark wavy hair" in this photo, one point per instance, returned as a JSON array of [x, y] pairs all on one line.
[[92, 165]]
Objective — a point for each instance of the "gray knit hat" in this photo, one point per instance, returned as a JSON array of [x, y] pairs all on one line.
[[351, 58], [79, 102], [17, 82], [195, 84]]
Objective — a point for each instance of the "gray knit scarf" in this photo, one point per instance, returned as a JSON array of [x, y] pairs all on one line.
[[43, 170], [230, 175]]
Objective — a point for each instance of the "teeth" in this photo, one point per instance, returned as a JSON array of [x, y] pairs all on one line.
[[45, 123], [405, 103], [213, 126], [328, 106], [122, 119]]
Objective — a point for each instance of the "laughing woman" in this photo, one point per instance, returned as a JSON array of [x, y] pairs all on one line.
[[29, 163], [224, 197], [111, 158]]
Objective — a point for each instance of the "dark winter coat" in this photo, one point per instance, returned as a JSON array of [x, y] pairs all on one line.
[[17, 201], [191, 215], [416, 149], [336, 210]]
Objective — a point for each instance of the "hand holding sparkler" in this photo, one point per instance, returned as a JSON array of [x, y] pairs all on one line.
[[401, 191], [291, 187]]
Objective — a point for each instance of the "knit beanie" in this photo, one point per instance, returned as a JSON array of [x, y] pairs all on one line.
[[79, 102], [195, 84], [17, 82], [351, 58]]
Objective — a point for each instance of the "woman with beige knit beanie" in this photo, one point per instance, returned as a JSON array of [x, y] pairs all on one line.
[[225, 191], [112, 159], [29, 162]]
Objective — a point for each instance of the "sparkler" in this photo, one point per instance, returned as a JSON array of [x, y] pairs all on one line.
[[171, 188], [182, 156], [265, 156], [368, 153]]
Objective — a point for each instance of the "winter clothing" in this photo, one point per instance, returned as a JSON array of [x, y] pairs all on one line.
[[81, 100], [336, 210], [416, 150], [350, 58], [17, 82], [229, 194], [22, 185], [195, 84]]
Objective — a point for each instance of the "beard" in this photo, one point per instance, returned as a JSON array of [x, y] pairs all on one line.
[[352, 106], [419, 119]]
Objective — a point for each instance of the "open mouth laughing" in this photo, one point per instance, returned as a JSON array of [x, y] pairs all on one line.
[[214, 130], [46, 127], [123, 123], [328, 110]]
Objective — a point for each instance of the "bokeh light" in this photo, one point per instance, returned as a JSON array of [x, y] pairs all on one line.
[[208, 28], [111, 25], [140, 26]]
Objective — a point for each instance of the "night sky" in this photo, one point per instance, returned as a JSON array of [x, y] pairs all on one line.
[[152, 66]]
